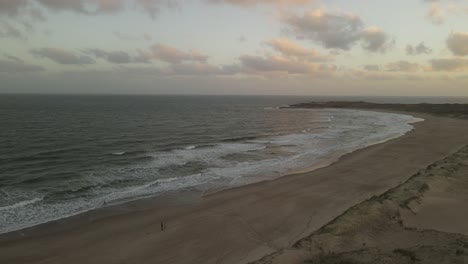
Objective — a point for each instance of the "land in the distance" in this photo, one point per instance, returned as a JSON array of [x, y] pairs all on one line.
[[448, 110], [401, 201]]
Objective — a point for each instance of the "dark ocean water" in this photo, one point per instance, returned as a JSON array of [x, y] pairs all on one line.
[[62, 155]]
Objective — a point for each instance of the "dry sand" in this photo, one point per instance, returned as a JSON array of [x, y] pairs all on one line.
[[244, 224], [423, 220]]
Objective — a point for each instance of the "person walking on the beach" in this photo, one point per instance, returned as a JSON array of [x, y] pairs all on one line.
[[163, 226]]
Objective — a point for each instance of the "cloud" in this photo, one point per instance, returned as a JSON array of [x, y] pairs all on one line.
[[288, 57], [458, 43], [13, 58], [172, 55], [419, 49], [190, 69], [372, 75], [292, 49], [18, 66], [402, 66], [117, 57], [11, 7], [375, 40], [87, 7], [372, 67], [7, 30], [153, 7], [203, 69], [273, 64], [279, 64], [62, 56], [160, 52], [436, 14], [247, 3], [451, 64], [337, 30]]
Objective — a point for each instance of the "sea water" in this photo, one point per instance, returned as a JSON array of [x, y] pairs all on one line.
[[64, 155]]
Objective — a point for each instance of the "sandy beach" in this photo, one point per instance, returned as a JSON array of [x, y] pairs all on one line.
[[394, 189]]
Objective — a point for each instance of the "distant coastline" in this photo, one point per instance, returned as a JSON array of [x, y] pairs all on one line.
[[456, 110]]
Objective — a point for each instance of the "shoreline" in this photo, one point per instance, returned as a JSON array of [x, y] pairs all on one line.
[[172, 197], [285, 202]]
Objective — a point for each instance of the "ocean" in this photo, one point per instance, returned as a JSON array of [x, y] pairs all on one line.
[[63, 155]]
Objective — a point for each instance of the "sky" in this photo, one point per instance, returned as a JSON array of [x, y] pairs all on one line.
[[244, 47]]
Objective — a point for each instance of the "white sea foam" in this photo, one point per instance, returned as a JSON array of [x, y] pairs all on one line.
[[224, 164], [21, 204], [190, 147]]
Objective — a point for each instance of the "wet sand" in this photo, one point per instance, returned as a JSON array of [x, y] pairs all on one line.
[[269, 218]]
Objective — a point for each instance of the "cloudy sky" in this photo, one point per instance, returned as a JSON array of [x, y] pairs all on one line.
[[274, 47]]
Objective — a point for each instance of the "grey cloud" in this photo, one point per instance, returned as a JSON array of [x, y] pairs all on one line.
[[271, 64], [458, 43], [72, 5], [84, 6], [88, 7], [203, 69], [375, 40], [13, 58], [15, 66], [372, 67], [402, 66], [11, 7], [37, 15], [190, 69], [452, 64], [7, 30], [149, 70], [62, 56], [421, 48], [336, 30], [160, 52], [117, 57]]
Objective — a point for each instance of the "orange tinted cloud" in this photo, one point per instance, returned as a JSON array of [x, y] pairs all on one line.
[[290, 48]]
